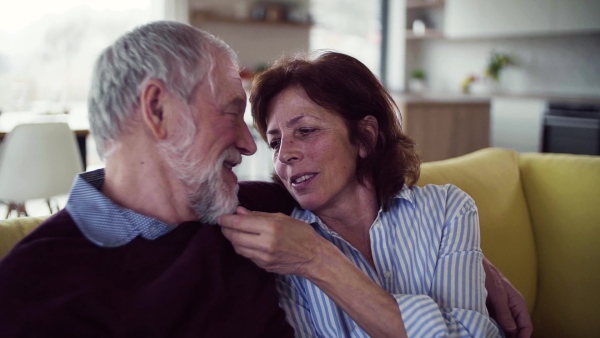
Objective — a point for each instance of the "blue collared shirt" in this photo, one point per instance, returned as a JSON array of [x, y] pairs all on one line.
[[105, 223], [427, 256]]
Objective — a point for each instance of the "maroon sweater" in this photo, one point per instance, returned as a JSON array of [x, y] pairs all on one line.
[[187, 283]]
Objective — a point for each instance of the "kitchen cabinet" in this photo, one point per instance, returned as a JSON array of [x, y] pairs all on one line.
[[490, 18], [517, 123], [445, 129]]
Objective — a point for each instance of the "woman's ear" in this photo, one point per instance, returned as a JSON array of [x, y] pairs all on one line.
[[370, 126], [152, 104]]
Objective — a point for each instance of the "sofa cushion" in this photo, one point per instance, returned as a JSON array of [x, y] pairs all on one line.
[[491, 176], [13, 230], [563, 192]]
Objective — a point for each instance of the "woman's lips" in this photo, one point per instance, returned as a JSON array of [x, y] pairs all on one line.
[[302, 180]]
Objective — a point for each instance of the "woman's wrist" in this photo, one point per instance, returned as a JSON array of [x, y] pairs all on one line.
[[322, 267]]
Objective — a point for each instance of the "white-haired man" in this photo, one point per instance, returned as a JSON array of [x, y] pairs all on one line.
[[135, 252]]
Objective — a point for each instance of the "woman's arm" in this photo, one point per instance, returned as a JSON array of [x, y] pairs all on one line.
[[454, 303], [284, 245], [458, 280]]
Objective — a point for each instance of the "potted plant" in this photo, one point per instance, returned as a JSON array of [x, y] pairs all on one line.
[[497, 62], [417, 80]]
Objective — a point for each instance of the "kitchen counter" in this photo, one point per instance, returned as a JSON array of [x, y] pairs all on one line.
[[445, 126], [440, 97]]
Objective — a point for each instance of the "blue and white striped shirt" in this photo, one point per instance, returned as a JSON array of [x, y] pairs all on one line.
[[427, 255], [102, 221]]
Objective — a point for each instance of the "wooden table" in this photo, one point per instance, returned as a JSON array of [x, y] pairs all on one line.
[[77, 122]]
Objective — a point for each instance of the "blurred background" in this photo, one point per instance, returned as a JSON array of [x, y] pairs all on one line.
[[466, 74]]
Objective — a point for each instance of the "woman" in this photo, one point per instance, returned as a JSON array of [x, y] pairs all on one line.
[[375, 255]]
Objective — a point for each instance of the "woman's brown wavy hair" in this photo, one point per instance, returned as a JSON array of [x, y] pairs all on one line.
[[344, 85]]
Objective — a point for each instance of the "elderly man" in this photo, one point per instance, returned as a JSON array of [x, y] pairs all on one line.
[[135, 252]]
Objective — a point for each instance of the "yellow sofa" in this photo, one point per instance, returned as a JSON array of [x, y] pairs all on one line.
[[540, 225]]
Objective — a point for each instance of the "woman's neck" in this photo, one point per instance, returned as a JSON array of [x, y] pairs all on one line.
[[352, 219]]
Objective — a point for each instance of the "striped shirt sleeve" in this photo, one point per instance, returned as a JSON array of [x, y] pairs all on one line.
[[296, 307], [455, 306]]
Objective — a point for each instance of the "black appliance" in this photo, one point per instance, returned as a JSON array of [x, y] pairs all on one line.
[[572, 128]]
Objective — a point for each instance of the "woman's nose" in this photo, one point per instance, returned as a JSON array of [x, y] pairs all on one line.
[[288, 152]]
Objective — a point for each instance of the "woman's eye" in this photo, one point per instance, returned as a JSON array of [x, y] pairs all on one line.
[[305, 131], [274, 144]]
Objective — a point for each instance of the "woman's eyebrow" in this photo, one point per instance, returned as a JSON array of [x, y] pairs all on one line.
[[289, 124], [294, 120]]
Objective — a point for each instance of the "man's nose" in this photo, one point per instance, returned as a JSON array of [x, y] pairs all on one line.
[[245, 143]]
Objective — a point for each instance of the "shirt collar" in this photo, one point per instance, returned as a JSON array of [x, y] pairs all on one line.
[[405, 193], [103, 222]]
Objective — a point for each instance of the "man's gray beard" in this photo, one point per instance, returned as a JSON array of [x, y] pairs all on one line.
[[213, 197], [208, 195]]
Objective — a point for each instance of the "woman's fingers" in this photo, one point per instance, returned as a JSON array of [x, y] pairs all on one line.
[[275, 242], [242, 211], [253, 231], [243, 223]]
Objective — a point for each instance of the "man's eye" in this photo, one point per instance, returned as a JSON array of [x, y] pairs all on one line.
[[274, 144]]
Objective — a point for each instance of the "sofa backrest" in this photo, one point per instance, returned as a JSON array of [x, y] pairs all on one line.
[[491, 177], [563, 192]]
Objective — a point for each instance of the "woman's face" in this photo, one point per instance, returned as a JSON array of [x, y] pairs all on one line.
[[312, 153]]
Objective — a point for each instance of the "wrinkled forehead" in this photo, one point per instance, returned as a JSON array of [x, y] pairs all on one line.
[[223, 83], [222, 71]]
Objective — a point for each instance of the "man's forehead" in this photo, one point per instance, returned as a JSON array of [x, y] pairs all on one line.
[[225, 84]]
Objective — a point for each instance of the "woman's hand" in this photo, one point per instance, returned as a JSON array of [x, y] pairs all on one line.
[[275, 242], [284, 245]]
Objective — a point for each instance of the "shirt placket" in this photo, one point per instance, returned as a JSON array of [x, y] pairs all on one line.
[[357, 255], [378, 238]]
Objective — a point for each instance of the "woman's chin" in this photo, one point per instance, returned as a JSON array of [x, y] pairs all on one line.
[[307, 203]]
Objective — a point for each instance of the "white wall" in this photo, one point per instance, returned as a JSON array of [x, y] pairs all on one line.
[[562, 64]]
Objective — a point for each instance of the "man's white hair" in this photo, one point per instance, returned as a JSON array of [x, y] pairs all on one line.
[[179, 55]]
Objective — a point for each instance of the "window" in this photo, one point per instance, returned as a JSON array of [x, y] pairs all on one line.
[[47, 48]]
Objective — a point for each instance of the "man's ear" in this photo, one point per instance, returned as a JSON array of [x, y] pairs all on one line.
[[369, 125], [152, 104]]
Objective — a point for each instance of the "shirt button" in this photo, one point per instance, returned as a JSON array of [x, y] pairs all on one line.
[[387, 274], [378, 225]]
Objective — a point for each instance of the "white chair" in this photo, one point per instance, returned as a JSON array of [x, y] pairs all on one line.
[[37, 161]]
